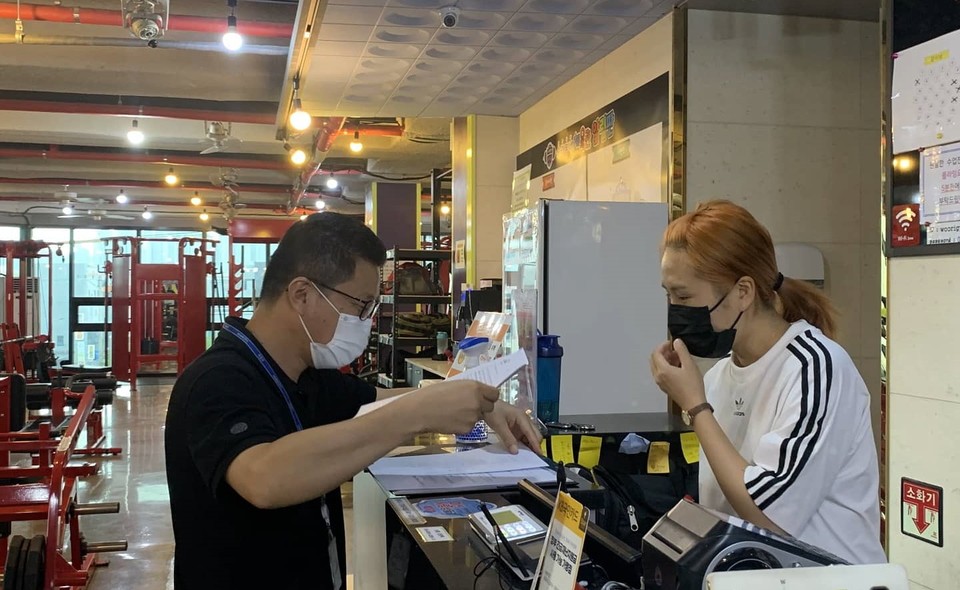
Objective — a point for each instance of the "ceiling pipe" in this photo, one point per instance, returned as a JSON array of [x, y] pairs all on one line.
[[329, 129], [56, 153], [130, 42], [373, 130], [278, 189], [178, 22], [32, 200], [139, 111]]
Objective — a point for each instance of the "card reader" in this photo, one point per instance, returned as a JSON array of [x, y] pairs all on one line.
[[515, 522]]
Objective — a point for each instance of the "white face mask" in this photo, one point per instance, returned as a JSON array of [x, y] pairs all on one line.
[[350, 339]]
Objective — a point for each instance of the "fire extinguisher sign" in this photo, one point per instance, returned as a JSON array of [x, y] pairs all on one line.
[[921, 514]]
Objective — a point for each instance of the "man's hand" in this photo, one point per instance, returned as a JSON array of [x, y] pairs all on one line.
[[513, 426], [452, 407], [677, 375]]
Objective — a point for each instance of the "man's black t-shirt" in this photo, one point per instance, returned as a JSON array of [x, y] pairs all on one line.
[[221, 405]]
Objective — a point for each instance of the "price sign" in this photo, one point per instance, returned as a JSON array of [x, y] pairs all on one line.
[[563, 547]]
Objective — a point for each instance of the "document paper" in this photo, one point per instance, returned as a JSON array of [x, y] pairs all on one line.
[[492, 459]]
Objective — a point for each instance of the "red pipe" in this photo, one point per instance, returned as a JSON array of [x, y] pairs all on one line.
[[322, 142], [199, 186], [55, 153], [178, 22], [116, 208], [373, 130], [143, 112]]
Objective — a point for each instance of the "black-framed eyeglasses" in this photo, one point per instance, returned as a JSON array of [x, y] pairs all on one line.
[[367, 308]]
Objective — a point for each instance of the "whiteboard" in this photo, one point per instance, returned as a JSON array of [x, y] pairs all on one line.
[[569, 183], [926, 94], [629, 170]]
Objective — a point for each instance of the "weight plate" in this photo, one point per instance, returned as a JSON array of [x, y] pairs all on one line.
[[11, 573], [32, 570]]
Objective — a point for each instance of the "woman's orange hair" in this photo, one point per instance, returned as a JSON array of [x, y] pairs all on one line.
[[725, 243]]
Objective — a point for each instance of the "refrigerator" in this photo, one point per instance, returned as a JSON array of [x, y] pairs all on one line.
[[588, 272]]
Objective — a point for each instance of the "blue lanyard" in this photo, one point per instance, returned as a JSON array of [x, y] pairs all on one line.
[[268, 368]]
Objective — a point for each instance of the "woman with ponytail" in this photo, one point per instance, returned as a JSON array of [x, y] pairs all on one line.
[[784, 416]]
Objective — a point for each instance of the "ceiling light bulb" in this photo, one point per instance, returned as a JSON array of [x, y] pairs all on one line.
[[444, 209], [135, 136], [196, 201], [299, 118], [147, 215], [355, 145], [204, 216], [304, 217], [320, 205], [232, 39], [171, 177], [67, 210], [332, 182], [298, 156], [122, 197]]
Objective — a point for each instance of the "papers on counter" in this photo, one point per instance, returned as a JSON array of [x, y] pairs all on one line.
[[491, 460], [487, 468]]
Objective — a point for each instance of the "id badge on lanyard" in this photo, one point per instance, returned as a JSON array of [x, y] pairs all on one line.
[[331, 539]]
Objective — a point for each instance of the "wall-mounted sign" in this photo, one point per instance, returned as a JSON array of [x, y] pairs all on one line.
[[921, 511], [521, 188], [906, 226], [940, 184], [460, 254]]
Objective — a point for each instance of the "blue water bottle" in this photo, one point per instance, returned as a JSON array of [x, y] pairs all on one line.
[[549, 353]]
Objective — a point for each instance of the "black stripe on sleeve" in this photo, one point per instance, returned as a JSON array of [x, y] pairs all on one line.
[[808, 451], [800, 447]]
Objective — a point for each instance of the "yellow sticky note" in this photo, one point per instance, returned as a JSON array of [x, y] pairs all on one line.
[[658, 458], [562, 447], [691, 446], [590, 451], [543, 447]]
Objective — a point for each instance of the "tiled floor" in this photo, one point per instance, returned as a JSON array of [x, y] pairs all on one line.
[[137, 480]]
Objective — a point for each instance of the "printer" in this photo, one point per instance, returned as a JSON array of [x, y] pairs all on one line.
[[691, 542]]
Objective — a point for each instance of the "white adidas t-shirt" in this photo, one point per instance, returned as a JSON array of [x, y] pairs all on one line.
[[800, 416]]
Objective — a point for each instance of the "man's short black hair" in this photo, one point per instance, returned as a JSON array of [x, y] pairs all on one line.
[[324, 248]]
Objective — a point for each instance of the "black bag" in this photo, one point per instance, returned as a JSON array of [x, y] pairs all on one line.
[[636, 502]]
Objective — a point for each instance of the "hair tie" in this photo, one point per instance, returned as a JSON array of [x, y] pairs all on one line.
[[779, 282]]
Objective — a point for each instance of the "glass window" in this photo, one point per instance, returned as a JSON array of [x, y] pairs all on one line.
[[91, 348], [163, 252], [89, 256], [58, 329]]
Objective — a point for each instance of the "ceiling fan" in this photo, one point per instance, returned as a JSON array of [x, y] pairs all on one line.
[[96, 213], [218, 134]]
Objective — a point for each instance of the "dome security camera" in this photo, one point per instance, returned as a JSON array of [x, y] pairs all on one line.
[[449, 16]]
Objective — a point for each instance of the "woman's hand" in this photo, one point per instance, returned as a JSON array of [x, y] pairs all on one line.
[[514, 427], [677, 375]]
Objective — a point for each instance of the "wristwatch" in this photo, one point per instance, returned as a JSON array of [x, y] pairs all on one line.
[[689, 415]]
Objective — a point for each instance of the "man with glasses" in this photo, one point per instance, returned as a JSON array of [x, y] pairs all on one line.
[[260, 431]]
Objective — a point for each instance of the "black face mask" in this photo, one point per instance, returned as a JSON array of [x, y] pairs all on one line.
[[692, 325]]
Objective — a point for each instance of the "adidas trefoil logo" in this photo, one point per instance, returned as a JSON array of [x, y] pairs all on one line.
[[739, 405]]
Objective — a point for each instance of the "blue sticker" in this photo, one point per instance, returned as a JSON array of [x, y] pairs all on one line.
[[450, 507]]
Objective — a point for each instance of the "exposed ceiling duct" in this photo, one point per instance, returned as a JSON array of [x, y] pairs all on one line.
[[177, 22]]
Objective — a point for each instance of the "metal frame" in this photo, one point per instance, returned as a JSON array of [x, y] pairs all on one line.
[[137, 294]]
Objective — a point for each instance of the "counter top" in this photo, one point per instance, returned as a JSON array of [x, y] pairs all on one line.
[[431, 366]]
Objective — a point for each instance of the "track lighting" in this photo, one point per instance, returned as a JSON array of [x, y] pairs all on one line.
[[196, 201], [147, 215], [332, 182], [204, 216], [135, 136], [232, 39], [171, 178], [299, 118], [355, 145], [122, 197], [298, 156], [444, 209], [320, 205]]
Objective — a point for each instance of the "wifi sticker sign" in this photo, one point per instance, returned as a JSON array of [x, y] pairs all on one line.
[[906, 226]]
